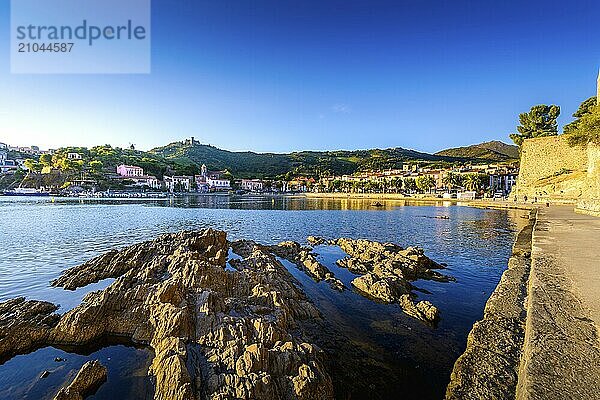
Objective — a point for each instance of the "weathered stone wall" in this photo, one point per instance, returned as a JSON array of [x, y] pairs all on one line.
[[551, 170], [590, 200]]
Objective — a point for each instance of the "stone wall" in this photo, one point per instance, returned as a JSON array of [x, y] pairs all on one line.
[[551, 170], [590, 200], [489, 367]]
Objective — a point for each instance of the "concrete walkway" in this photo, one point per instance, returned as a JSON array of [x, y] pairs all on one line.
[[561, 355]]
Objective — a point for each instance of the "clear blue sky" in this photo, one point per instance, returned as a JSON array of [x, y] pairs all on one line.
[[292, 75]]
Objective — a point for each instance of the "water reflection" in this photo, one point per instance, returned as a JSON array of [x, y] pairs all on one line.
[[42, 237], [20, 377]]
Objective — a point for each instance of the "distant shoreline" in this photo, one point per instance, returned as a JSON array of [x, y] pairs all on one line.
[[479, 203]]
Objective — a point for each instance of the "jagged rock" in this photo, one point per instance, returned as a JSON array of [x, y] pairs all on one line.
[[387, 289], [91, 375], [390, 258], [315, 240], [306, 261], [386, 270], [146, 255], [423, 310], [353, 265], [24, 325], [216, 334]]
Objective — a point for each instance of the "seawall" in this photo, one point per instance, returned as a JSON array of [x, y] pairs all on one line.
[[538, 339], [489, 367]]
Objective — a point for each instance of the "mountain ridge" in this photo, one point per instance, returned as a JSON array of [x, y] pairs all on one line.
[[247, 164], [494, 150]]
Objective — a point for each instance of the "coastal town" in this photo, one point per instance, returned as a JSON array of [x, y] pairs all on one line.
[[29, 168], [315, 200]]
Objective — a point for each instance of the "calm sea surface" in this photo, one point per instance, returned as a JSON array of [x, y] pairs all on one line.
[[40, 237]]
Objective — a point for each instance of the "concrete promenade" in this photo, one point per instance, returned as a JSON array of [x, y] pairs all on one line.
[[561, 354]]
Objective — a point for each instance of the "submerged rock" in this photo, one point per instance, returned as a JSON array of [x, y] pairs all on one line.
[[24, 325], [89, 378], [306, 261]]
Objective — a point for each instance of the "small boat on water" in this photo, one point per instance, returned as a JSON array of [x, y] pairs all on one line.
[[376, 204], [25, 192]]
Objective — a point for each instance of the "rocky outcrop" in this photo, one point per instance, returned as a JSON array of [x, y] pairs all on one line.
[[24, 325], [147, 255], [389, 259], [306, 261], [216, 334], [386, 270], [91, 375], [489, 367]]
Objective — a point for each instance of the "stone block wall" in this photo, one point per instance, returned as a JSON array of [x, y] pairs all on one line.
[[590, 200], [551, 170]]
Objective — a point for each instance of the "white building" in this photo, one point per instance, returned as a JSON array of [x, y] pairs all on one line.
[[74, 156], [253, 185], [218, 184], [146, 180], [8, 166], [3, 155], [179, 183], [211, 180], [130, 170]]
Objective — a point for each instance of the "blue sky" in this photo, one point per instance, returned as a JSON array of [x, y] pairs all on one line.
[[296, 75]]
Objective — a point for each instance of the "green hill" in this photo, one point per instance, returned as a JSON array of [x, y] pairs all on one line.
[[495, 151], [313, 163]]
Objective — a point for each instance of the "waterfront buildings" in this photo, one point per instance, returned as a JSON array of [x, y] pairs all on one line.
[[179, 183], [136, 174], [212, 180], [494, 177], [252, 185]]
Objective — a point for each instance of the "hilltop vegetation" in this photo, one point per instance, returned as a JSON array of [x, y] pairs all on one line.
[[492, 151], [186, 158], [307, 163]]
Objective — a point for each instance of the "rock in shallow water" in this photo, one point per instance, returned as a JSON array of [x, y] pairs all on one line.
[[91, 375], [24, 324], [386, 270], [216, 334]]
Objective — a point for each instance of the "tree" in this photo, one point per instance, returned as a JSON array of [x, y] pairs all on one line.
[[475, 182], [46, 160], [397, 182], [452, 180], [410, 185], [32, 165], [588, 129], [96, 166], [425, 183], [585, 108], [539, 121]]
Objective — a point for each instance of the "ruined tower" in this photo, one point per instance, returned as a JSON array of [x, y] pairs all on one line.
[[598, 89]]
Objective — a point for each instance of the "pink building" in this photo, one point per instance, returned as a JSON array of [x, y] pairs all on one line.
[[129, 170]]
